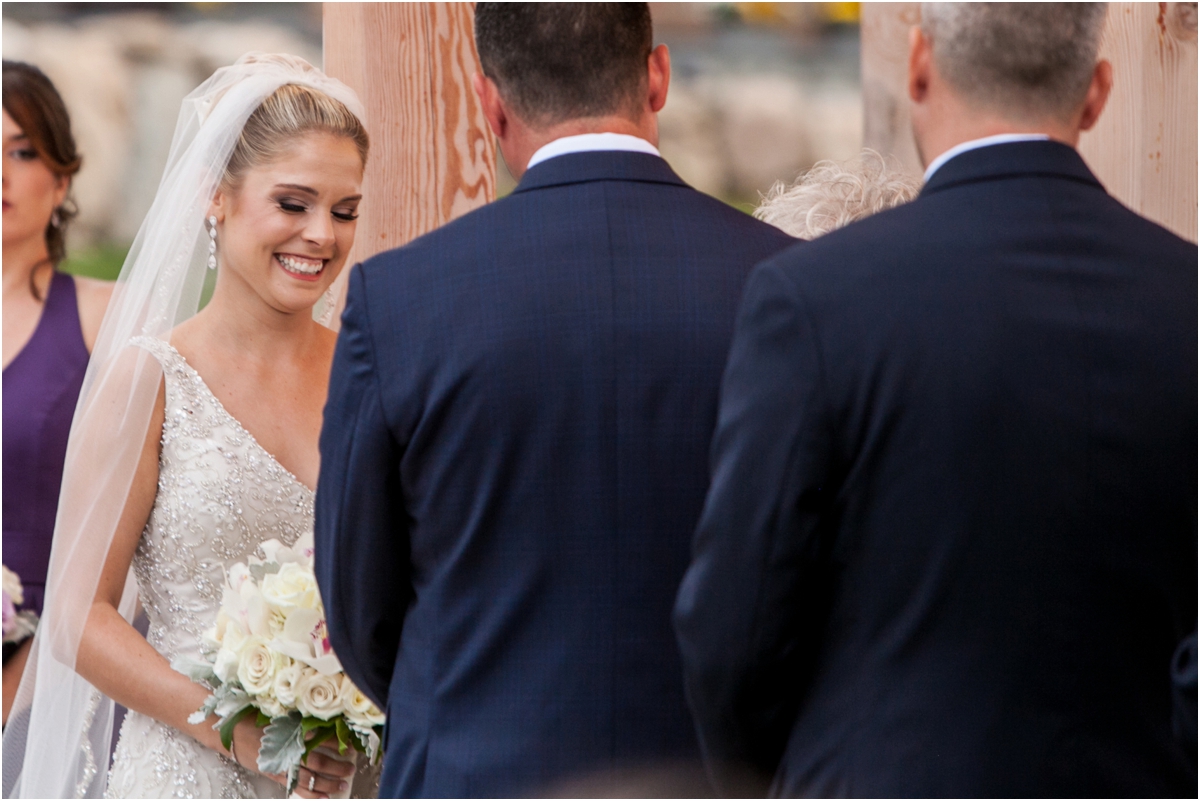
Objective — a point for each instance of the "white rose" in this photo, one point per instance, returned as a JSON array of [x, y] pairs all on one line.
[[358, 707], [286, 679], [270, 706], [12, 585], [293, 587], [317, 695], [257, 666]]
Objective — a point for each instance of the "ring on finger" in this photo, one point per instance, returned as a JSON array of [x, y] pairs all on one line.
[[312, 782]]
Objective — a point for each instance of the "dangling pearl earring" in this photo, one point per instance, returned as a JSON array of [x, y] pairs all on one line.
[[212, 243]]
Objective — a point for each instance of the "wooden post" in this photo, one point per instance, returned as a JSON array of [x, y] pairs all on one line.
[[433, 157], [1143, 149], [887, 127]]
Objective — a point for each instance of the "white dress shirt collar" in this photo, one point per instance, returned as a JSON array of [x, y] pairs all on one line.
[[585, 143], [959, 149]]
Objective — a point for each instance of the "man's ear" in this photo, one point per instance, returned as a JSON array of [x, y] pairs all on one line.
[[659, 77], [1097, 95], [920, 64], [493, 106]]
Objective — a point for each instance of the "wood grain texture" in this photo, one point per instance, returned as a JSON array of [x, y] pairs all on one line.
[[1143, 149], [433, 157], [887, 125]]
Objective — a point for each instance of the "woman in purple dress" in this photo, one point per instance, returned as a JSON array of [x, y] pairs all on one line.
[[50, 323]]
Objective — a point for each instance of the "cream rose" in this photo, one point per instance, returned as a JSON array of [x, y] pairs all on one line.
[[318, 695], [270, 706], [286, 680], [293, 587], [360, 710], [257, 667]]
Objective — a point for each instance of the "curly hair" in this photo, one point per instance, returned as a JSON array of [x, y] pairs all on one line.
[[832, 195]]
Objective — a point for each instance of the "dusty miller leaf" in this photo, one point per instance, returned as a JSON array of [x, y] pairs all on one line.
[[258, 571], [282, 745]]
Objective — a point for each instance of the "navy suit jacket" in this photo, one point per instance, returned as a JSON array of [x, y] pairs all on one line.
[[513, 461], [950, 544]]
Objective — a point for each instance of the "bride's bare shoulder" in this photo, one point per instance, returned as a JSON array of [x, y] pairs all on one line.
[[326, 342]]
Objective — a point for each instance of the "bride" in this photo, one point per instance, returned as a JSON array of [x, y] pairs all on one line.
[[195, 440]]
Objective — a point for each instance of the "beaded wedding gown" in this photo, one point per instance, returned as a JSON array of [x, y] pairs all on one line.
[[220, 494]]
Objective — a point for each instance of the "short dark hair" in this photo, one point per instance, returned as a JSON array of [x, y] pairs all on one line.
[[561, 61]]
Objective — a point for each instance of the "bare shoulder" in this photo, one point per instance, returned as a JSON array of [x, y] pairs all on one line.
[[94, 291], [326, 344], [92, 296]]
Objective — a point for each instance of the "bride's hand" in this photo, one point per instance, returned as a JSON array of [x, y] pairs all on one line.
[[324, 775], [319, 776], [247, 740]]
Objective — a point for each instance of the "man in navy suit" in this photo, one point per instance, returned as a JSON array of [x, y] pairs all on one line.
[[515, 447], [950, 543]]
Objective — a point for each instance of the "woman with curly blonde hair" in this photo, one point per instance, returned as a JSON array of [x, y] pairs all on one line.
[[834, 194]]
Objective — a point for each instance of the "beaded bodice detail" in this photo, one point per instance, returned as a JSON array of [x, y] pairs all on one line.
[[220, 494]]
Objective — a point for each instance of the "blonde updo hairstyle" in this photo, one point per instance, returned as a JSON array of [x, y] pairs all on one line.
[[290, 112], [832, 195]]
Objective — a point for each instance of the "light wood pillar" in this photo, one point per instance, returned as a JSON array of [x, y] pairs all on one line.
[[1143, 149], [886, 123], [433, 157]]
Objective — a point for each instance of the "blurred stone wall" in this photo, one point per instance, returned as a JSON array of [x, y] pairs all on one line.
[[759, 91], [733, 136], [123, 76]]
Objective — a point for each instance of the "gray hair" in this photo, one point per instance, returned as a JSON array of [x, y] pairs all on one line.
[[1026, 60], [832, 195]]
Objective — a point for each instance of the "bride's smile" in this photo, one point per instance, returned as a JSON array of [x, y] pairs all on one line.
[[304, 268]]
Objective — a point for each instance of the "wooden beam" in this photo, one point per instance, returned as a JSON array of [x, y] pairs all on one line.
[[887, 126], [433, 157], [1143, 149]]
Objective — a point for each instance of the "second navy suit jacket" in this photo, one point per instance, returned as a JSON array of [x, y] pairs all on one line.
[[950, 546], [514, 458]]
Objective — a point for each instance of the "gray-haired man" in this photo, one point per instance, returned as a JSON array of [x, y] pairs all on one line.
[[950, 540]]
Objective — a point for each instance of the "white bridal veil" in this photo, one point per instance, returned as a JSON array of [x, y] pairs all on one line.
[[56, 743]]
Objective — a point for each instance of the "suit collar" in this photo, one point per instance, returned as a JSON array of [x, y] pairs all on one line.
[[600, 165], [1012, 159]]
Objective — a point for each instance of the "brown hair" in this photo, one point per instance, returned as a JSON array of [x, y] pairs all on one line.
[[562, 61], [291, 111], [35, 105]]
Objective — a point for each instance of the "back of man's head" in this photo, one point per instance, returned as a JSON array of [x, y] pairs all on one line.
[[1023, 61], [559, 61]]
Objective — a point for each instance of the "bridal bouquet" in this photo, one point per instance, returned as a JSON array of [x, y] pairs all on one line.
[[17, 625], [270, 657]]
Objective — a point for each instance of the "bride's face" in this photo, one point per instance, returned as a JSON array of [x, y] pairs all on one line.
[[287, 228]]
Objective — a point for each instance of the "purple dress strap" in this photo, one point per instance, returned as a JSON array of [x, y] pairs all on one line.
[[41, 387]]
